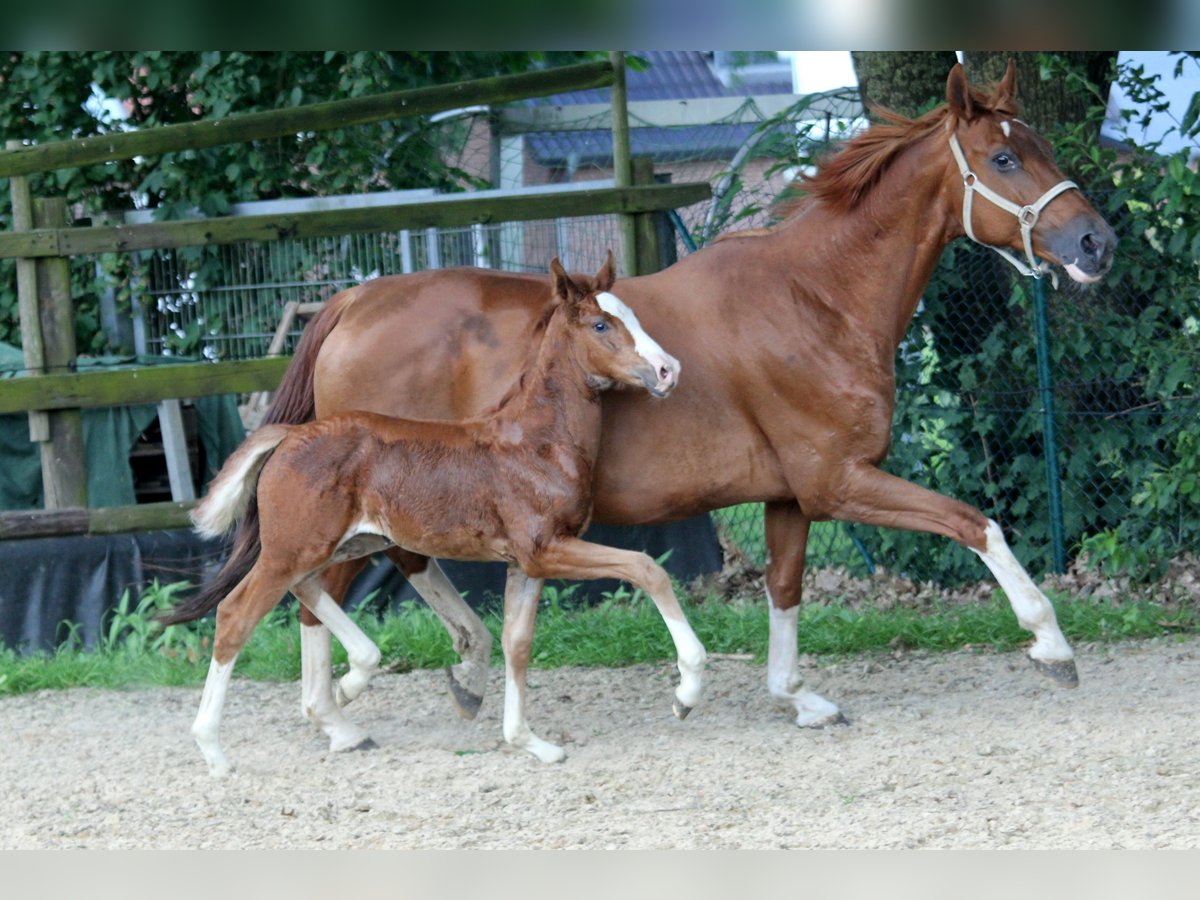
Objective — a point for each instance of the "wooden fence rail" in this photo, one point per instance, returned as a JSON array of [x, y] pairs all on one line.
[[43, 243], [435, 212]]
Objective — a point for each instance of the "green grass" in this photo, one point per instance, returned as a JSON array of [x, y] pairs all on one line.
[[621, 630]]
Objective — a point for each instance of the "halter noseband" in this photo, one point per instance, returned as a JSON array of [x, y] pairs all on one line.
[[1026, 215]]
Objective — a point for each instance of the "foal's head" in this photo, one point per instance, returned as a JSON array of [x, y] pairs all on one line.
[[605, 335]]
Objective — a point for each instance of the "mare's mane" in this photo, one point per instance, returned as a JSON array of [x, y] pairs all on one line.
[[849, 174]]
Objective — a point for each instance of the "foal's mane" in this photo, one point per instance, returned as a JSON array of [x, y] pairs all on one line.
[[848, 175]]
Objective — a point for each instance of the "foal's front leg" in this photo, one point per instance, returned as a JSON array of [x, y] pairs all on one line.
[[521, 595], [581, 561]]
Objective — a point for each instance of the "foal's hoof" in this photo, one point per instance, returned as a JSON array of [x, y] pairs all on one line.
[[1060, 671], [365, 744], [466, 702], [681, 711]]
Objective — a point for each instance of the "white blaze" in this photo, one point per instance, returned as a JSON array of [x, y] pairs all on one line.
[[646, 347]]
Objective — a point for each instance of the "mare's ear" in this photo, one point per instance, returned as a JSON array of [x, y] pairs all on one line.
[[607, 275], [1006, 90], [958, 94], [564, 287]]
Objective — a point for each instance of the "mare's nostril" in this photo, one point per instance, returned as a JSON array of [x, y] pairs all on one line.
[[1092, 245], [664, 373]]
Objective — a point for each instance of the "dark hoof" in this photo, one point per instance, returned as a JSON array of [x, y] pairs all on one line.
[[466, 703], [1060, 671], [681, 711], [365, 744], [839, 719]]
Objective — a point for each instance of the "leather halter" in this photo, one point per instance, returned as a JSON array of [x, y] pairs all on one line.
[[1026, 215]]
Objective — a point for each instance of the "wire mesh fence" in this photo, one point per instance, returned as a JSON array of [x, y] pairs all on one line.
[[969, 413]]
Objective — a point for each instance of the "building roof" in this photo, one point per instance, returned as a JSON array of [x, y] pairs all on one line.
[[668, 75]]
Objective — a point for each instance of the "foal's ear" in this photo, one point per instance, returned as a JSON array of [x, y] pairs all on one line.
[[607, 275], [1006, 90], [958, 94], [564, 287]]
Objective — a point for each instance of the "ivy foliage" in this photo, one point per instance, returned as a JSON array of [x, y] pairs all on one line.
[[1125, 361]]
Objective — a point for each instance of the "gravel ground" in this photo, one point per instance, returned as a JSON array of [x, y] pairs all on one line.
[[966, 749]]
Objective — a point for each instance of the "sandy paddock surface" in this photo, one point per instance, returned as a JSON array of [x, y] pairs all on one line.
[[944, 750]]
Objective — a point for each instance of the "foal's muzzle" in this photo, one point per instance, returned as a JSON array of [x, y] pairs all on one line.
[[661, 376]]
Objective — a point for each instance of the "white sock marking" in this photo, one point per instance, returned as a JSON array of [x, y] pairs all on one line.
[[1032, 607], [360, 649], [208, 718], [783, 672]]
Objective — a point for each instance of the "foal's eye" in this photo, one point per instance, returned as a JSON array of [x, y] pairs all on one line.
[[600, 327], [1004, 161]]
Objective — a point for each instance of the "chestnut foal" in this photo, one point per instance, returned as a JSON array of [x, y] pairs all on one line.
[[512, 485]]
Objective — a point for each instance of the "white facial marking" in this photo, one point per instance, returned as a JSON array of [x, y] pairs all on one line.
[[1033, 610], [1006, 128], [646, 347], [1077, 274]]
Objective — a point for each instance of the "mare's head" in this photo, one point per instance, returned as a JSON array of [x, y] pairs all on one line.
[[1009, 188], [605, 335]]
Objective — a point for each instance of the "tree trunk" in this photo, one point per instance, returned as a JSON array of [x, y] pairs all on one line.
[[908, 82], [1046, 104]]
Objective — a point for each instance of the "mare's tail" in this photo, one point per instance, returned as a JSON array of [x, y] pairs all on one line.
[[230, 499]]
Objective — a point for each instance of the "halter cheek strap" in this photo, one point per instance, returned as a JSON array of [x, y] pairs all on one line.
[[1026, 215]]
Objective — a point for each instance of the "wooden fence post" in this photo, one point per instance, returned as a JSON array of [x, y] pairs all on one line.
[[27, 301], [622, 164], [64, 475], [647, 242]]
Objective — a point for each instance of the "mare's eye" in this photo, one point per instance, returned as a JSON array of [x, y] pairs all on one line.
[[600, 327], [1004, 161]]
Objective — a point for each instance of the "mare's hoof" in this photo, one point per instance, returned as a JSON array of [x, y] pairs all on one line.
[[365, 744], [681, 711], [1060, 671], [465, 702]]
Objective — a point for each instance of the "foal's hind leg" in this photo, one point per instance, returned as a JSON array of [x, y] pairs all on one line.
[[472, 640], [787, 540], [237, 615], [316, 660], [363, 657]]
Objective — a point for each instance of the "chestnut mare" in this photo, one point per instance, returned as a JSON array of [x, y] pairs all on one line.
[[513, 485], [789, 339]]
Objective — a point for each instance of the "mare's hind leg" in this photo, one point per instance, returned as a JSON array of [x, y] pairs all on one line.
[[237, 615], [874, 497], [521, 595], [363, 657], [472, 640], [787, 540]]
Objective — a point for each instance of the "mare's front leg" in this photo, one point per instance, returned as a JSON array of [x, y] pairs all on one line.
[[581, 561], [319, 703], [874, 497], [521, 595], [787, 541]]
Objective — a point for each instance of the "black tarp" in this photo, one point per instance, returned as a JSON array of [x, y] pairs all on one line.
[[46, 582]]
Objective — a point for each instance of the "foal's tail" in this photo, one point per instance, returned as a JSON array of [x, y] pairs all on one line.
[[293, 404], [231, 497]]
